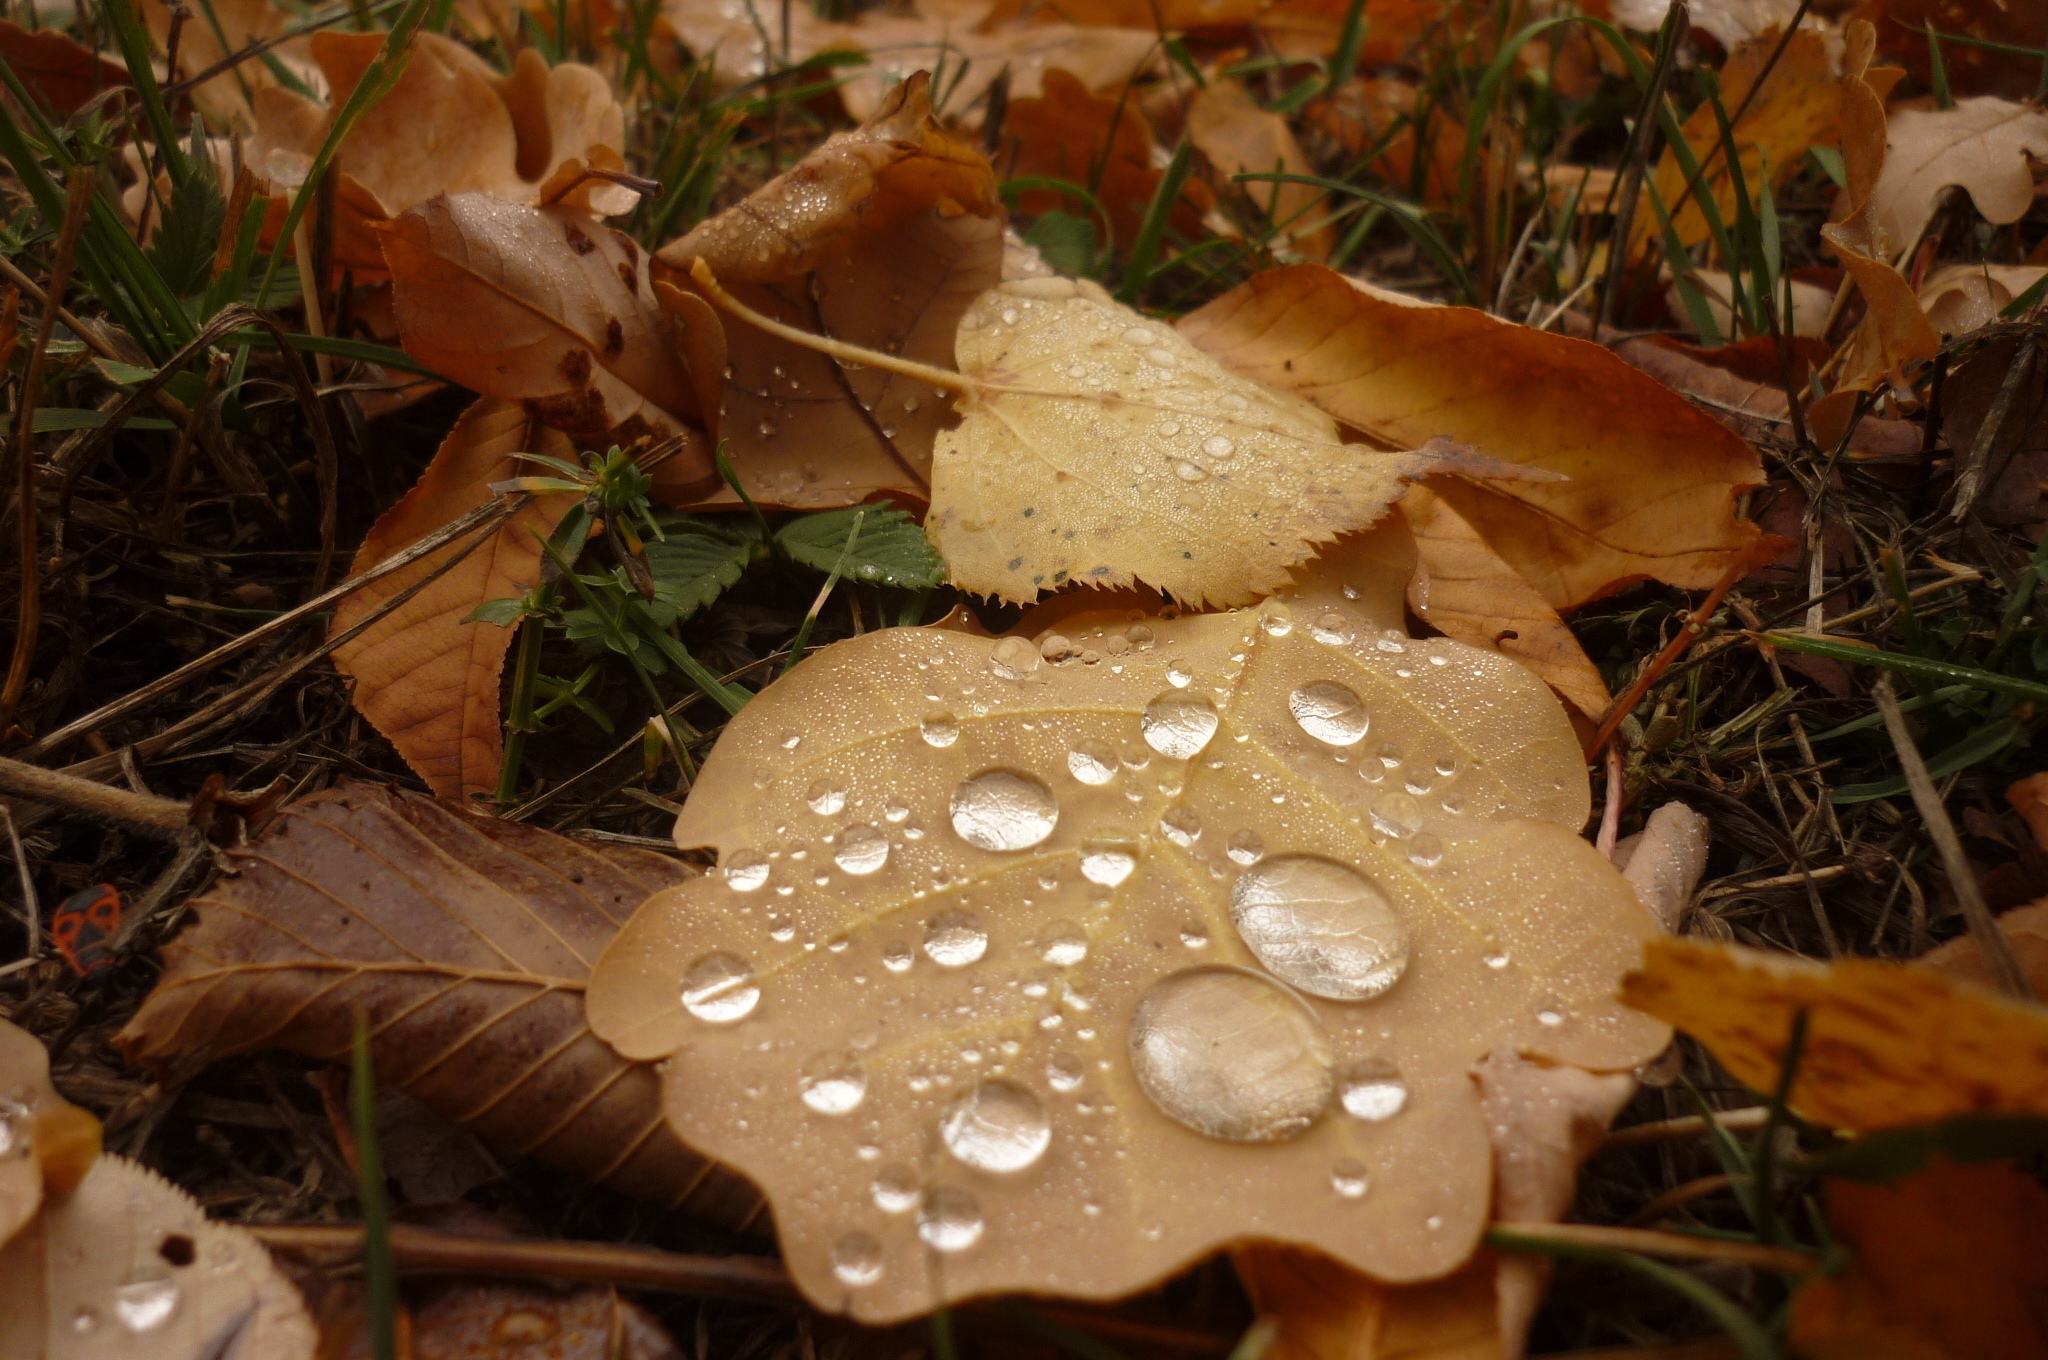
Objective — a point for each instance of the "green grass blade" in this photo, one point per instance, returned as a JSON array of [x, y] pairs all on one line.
[[1140, 264], [380, 1270], [1942, 672]]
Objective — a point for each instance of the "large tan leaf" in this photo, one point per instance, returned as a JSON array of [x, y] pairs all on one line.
[[467, 941], [425, 678], [1327, 1311], [1980, 144], [881, 238], [547, 307], [1055, 967], [1653, 481]]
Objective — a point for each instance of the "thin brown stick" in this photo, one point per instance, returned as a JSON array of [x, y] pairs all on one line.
[[28, 619], [1650, 1242], [93, 340], [1970, 479], [1998, 952], [1658, 1209], [1684, 1126], [159, 818], [1694, 625]]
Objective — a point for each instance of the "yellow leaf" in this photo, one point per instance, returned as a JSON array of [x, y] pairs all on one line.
[[1054, 967], [1653, 481], [1886, 1044]]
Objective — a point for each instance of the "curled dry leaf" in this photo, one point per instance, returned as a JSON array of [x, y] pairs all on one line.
[[1663, 862], [881, 238], [549, 308], [226, 27], [1653, 481], [1055, 967], [1960, 298], [1239, 136], [1981, 145], [2029, 798], [467, 941], [424, 677], [47, 1144], [1885, 1044], [128, 1267]]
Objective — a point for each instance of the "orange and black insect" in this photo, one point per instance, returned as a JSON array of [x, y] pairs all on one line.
[[84, 927]]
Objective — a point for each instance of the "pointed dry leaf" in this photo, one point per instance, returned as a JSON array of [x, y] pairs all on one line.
[[1327, 1311], [1462, 588], [46, 1142], [881, 238], [995, 988], [1239, 136], [549, 308], [467, 941], [426, 678], [1885, 1044], [128, 1267], [1981, 144], [1960, 298], [1653, 481]]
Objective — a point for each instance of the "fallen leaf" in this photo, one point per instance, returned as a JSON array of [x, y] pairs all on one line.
[[1653, 481], [1327, 1311], [1378, 115], [2029, 798], [1663, 862], [1960, 298], [492, 1318], [425, 677], [1902, 35], [1810, 307], [1238, 136], [1094, 141], [2026, 928], [64, 72], [467, 941], [1034, 1051], [881, 238], [1885, 1045], [549, 308], [47, 1144], [1949, 1263], [128, 1267], [2017, 461], [226, 27], [1462, 588], [1981, 145], [1732, 22]]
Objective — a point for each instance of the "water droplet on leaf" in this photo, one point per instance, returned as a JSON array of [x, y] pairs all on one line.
[[1003, 810], [1372, 1091], [857, 1259], [833, 1083], [949, 1219], [719, 988], [996, 1126], [1231, 1055], [862, 849], [1179, 725], [1321, 926], [1330, 712], [954, 938]]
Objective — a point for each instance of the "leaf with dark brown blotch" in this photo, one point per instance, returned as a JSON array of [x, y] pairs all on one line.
[[467, 942]]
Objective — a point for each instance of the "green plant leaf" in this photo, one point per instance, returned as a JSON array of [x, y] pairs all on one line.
[[694, 563], [1891, 1153], [187, 235], [891, 550]]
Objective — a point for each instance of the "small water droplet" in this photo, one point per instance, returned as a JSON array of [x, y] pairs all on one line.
[[1065, 946], [1179, 725], [745, 870], [1009, 316], [897, 957], [826, 797], [1108, 862], [1425, 851], [1372, 1090], [1138, 337], [1092, 761], [862, 849], [1330, 712], [857, 1259], [1003, 810], [1245, 847], [1331, 628], [895, 1189], [145, 1305], [894, 813], [719, 988], [1397, 815], [1013, 658], [940, 730], [1454, 802], [1550, 1011], [524, 1327], [1139, 636], [833, 1083], [1276, 623], [85, 1320], [1433, 1222], [1348, 1179], [16, 1129], [1231, 1055], [1321, 926], [1161, 357], [791, 740], [1194, 935], [996, 1126], [1188, 471], [1056, 648], [1216, 446], [1447, 766], [949, 1219], [954, 938], [1496, 954], [1180, 825], [1064, 1072], [1167, 429]]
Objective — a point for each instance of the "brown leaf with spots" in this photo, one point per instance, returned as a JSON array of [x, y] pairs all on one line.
[[466, 941], [1652, 480], [1055, 967], [424, 677], [881, 238]]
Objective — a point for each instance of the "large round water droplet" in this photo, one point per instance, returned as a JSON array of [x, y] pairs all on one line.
[[997, 1126], [1330, 712], [955, 938], [1179, 725], [833, 1083], [949, 1219], [1013, 658], [857, 1259], [145, 1305], [720, 988], [1319, 925], [862, 849], [1108, 862], [1372, 1090], [1065, 945], [1004, 810], [1230, 1054], [1330, 628], [826, 797], [895, 1190], [940, 730], [745, 870], [1093, 762]]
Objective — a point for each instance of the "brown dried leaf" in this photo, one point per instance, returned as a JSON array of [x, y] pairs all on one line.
[[467, 941], [549, 308], [46, 1142], [1653, 481], [1379, 115], [425, 678], [881, 238], [1981, 144], [226, 27], [474, 1319], [2018, 457], [1960, 298], [1902, 34], [2025, 928], [63, 71], [1239, 137], [967, 988], [1327, 1311]]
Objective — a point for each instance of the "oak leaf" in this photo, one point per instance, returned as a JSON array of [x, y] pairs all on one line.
[[881, 238], [1054, 967], [1960, 298], [1885, 1045], [467, 941], [426, 677], [1653, 481], [1981, 144]]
